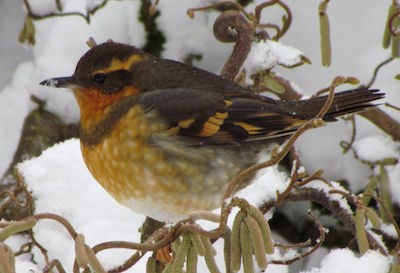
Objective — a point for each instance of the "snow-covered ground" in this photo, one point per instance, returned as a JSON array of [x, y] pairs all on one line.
[[60, 181]]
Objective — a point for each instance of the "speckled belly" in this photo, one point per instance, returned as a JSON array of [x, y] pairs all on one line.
[[160, 180]]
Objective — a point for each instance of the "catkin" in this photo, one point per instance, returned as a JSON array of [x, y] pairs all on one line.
[[235, 242], [247, 255], [181, 254], [324, 34], [7, 259], [191, 261], [257, 242], [151, 265], [198, 244], [361, 234], [265, 229], [94, 263], [16, 227], [80, 251], [373, 217]]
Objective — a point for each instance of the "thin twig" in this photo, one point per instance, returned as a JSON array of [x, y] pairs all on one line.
[[392, 106], [59, 219], [320, 241], [346, 145], [376, 70], [54, 264], [86, 16]]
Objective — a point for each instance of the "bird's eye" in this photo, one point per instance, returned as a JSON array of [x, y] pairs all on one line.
[[99, 78]]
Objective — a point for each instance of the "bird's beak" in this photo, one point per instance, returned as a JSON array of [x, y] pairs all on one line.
[[62, 82]]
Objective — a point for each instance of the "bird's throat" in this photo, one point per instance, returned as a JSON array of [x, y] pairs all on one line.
[[100, 113]]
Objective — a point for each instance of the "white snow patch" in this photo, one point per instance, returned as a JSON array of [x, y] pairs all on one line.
[[376, 148], [394, 178], [344, 260], [191, 36], [319, 149], [61, 184], [43, 7], [265, 186], [319, 185], [389, 229], [15, 104], [23, 262], [265, 55]]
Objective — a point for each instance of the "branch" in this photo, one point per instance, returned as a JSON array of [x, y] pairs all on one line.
[[86, 16], [347, 219], [383, 121]]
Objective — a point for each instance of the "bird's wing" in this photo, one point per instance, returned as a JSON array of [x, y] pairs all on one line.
[[204, 117]]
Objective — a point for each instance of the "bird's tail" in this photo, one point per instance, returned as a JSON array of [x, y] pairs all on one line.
[[346, 102]]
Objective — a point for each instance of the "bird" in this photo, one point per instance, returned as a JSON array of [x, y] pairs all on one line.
[[164, 138]]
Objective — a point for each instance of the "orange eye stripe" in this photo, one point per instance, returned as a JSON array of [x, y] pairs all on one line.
[[117, 64]]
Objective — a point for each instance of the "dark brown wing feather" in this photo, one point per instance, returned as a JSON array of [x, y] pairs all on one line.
[[202, 117]]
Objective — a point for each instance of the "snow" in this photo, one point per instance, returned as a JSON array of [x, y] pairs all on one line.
[[376, 148], [62, 185], [14, 105], [265, 186], [389, 229], [43, 7], [23, 262], [265, 55], [342, 201], [344, 260], [319, 149], [59, 179], [196, 33], [394, 178]]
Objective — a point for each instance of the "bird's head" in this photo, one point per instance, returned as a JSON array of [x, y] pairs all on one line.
[[103, 76]]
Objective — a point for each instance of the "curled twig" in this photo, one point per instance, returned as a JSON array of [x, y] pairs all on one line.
[[376, 70], [13, 199], [346, 145], [287, 20], [58, 219], [224, 5], [232, 26], [237, 25]]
